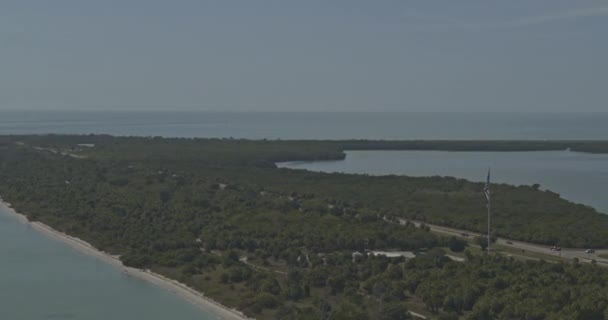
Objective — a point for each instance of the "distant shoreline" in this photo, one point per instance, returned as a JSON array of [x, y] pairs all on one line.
[[179, 289]]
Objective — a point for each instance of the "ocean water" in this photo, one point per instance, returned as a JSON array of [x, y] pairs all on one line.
[[41, 278], [579, 177], [312, 125]]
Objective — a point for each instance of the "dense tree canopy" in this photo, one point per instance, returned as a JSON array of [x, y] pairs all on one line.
[[287, 244]]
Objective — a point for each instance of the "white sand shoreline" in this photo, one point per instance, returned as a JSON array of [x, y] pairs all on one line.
[[179, 289]]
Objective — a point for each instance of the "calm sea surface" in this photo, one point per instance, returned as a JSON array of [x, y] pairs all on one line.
[[313, 125], [41, 278]]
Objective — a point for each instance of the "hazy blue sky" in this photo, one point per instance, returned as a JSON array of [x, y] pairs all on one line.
[[520, 55]]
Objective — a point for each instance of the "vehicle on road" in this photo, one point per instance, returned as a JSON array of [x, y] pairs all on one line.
[[589, 251]]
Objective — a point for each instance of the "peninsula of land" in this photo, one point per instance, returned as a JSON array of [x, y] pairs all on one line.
[[217, 216]]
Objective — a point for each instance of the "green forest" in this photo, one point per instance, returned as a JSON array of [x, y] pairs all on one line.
[[218, 215]]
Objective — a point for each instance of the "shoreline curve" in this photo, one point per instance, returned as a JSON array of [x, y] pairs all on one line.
[[180, 289]]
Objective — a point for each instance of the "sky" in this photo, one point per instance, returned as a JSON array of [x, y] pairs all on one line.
[[350, 55]]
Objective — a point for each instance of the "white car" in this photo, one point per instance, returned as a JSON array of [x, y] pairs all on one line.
[[589, 251]]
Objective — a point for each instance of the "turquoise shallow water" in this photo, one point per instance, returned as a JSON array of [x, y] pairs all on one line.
[[578, 177], [43, 278]]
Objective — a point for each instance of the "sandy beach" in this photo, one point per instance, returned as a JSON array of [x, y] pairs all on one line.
[[177, 288]]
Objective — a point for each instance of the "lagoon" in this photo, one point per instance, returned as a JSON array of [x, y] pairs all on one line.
[[578, 177]]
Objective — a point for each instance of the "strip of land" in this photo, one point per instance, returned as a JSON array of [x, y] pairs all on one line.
[[219, 216], [179, 289]]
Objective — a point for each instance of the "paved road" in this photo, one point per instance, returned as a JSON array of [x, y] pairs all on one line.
[[417, 315], [409, 255], [566, 253]]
